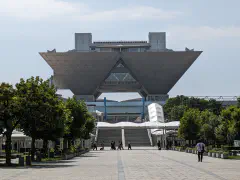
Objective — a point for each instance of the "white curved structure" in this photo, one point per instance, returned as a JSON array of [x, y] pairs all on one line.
[[146, 125], [155, 112]]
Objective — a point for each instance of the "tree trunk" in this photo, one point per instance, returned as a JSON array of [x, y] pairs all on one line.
[[69, 143], [45, 147], [8, 148], [65, 143], [33, 149]]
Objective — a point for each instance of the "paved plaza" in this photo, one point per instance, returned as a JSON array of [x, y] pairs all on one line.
[[139, 164]]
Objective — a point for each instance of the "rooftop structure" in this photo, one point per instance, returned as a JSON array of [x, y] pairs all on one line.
[[146, 67]]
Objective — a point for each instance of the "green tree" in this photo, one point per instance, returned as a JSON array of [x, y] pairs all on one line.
[[190, 125], [177, 112], [192, 102], [78, 111], [172, 102], [221, 132], [209, 121], [214, 106], [10, 115], [88, 126], [41, 112], [238, 102], [229, 127]]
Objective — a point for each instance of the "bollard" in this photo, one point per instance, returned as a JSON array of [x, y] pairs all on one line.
[[21, 161], [28, 161]]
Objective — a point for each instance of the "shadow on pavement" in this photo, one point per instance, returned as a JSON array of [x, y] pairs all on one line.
[[87, 156], [49, 166], [36, 166], [54, 162]]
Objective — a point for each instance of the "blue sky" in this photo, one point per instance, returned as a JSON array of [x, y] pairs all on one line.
[[28, 27]]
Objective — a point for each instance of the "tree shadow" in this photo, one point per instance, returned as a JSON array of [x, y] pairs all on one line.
[[87, 156], [54, 162], [35, 166], [49, 166], [98, 151], [12, 166]]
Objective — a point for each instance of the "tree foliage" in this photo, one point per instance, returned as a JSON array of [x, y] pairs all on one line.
[[209, 121], [176, 113], [179, 104], [10, 115], [78, 110], [42, 110], [35, 108], [229, 127], [190, 125]]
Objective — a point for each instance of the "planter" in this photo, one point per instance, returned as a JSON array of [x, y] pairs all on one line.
[[68, 156], [28, 161], [209, 154], [218, 155], [51, 154], [190, 150], [224, 156], [213, 154], [21, 161]]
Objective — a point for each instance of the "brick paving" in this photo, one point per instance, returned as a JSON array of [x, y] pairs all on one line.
[[138, 164]]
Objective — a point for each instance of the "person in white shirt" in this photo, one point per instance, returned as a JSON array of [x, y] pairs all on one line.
[[200, 148]]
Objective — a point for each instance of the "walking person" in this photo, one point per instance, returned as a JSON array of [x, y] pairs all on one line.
[[121, 145], [200, 148], [95, 146], [129, 146], [159, 145], [112, 145], [102, 146]]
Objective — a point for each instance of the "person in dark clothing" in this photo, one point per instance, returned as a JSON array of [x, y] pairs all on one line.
[[159, 145], [129, 146], [200, 148], [95, 146], [121, 145], [102, 146], [114, 146]]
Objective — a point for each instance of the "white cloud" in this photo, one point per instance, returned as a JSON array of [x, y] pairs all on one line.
[[62, 10], [37, 9], [203, 32], [131, 13]]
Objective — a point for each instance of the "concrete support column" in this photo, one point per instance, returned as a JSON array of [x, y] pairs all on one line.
[[123, 137], [165, 137], [96, 134], [18, 150]]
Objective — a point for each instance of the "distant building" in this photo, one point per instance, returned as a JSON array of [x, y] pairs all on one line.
[[95, 67]]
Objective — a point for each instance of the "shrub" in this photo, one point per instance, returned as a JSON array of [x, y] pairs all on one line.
[[229, 148]]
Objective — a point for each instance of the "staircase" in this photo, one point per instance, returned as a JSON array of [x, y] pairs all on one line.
[[106, 136], [137, 137]]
